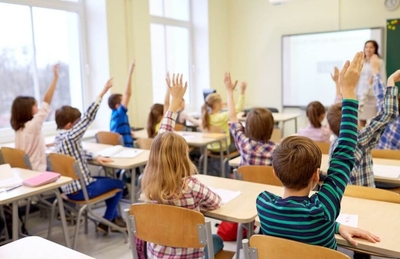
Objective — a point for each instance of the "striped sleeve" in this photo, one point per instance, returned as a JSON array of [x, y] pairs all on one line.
[[79, 129], [342, 161], [168, 122]]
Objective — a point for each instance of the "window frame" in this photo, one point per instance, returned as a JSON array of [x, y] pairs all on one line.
[[166, 21], [49, 128]]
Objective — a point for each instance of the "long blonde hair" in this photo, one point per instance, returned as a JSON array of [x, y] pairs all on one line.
[[211, 100], [168, 166]]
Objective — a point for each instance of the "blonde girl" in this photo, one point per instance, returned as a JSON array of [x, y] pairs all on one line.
[[315, 130]]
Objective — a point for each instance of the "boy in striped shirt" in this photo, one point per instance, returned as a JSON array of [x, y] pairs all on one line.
[[296, 162]]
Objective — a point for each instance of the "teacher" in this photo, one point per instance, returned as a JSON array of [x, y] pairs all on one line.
[[365, 91]]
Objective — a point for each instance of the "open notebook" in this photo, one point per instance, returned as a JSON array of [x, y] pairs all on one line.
[[387, 171], [119, 152], [7, 177], [226, 195]]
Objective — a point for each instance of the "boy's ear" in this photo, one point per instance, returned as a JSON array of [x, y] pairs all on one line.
[[273, 171], [68, 125], [315, 176]]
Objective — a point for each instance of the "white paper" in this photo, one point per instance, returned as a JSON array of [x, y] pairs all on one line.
[[389, 171], [119, 152], [348, 220], [7, 178], [226, 195]]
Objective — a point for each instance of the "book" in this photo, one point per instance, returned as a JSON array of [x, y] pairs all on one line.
[[7, 177], [388, 171], [226, 195], [119, 152]]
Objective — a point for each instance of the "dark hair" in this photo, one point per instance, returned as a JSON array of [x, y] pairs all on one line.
[[376, 46], [66, 114], [295, 161], [21, 111], [259, 124], [314, 112], [113, 100], [334, 117], [156, 111]]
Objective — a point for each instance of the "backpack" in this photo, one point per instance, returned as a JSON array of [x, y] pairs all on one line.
[[228, 231]]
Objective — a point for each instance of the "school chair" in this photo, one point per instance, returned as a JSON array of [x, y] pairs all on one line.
[[144, 143], [324, 146], [258, 174], [109, 138], [170, 226], [262, 246], [179, 127], [386, 153], [67, 166], [15, 157], [369, 193]]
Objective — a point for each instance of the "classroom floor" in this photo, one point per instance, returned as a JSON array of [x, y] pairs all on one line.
[[99, 246]]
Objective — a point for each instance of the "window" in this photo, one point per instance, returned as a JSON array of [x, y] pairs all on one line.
[[170, 32], [33, 40]]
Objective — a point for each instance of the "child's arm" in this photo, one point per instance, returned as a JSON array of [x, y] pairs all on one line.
[[349, 232], [342, 161], [208, 199], [177, 91], [77, 130], [370, 135], [240, 102], [335, 78], [128, 88], [48, 96]]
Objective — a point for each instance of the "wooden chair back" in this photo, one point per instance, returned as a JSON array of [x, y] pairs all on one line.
[[15, 157], [179, 127], [63, 164], [259, 174], [324, 146], [386, 154], [372, 193], [274, 248], [179, 229], [109, 138], [144, 143]]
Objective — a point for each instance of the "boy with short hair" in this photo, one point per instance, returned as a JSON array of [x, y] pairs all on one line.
[[296, 162], [118, 103], [369, 136]]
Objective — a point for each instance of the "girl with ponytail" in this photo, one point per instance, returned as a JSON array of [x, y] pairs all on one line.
[[315, 130]]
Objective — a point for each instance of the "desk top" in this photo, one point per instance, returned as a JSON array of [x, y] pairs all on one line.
[[34, 247], [382, 221], [118, 163], [25, 191], [278, 117]]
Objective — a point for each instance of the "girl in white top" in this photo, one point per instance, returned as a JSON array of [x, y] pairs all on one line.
[[27, 120], [365, 93]]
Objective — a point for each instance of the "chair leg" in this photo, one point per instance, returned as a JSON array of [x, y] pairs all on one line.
[[239, 240], [78, 222], [53, 209], [86, 222]]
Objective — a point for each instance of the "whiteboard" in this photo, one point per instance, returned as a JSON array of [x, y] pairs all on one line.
[[308, 60]]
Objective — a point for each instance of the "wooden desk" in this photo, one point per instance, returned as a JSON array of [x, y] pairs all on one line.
[[378, 161], [380, 218], [120, 163], [38, 248], [24, 192], [278, 117]]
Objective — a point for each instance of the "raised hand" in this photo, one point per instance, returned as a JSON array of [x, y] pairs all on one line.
[[335, 75], [177, 90], [107, 86], [228, 82], [243, 87], [375, 64], [132, 66], [349, 76], [394, 78]]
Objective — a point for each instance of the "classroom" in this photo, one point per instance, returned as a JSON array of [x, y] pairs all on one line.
[[269, 128]]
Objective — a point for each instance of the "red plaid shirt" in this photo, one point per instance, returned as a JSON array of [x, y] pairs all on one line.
[[194, 196], [252, 152]]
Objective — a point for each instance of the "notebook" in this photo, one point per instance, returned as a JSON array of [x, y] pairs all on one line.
[[226, 195], [41, 179], [119, 152], [389, 171], [348, 220], [7, 177]]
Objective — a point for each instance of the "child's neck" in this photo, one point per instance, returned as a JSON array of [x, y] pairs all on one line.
[[291, 192]]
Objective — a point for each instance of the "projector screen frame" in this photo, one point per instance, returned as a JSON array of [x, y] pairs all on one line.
[[382, 53]]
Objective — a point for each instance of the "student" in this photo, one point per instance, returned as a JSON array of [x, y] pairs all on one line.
[[369, 136], [168, 178], [296, 162], [154, 119], [315, 130], [69, 142], [212, 115], [27, 121], [254, 143], [119, 105]]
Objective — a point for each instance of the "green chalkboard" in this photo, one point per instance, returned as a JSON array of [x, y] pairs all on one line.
[[393, 46]]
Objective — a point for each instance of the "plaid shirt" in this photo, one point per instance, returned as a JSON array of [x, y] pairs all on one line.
[[68, 142], [194, 196], [252, 152], [367, 139], [391, 137]]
